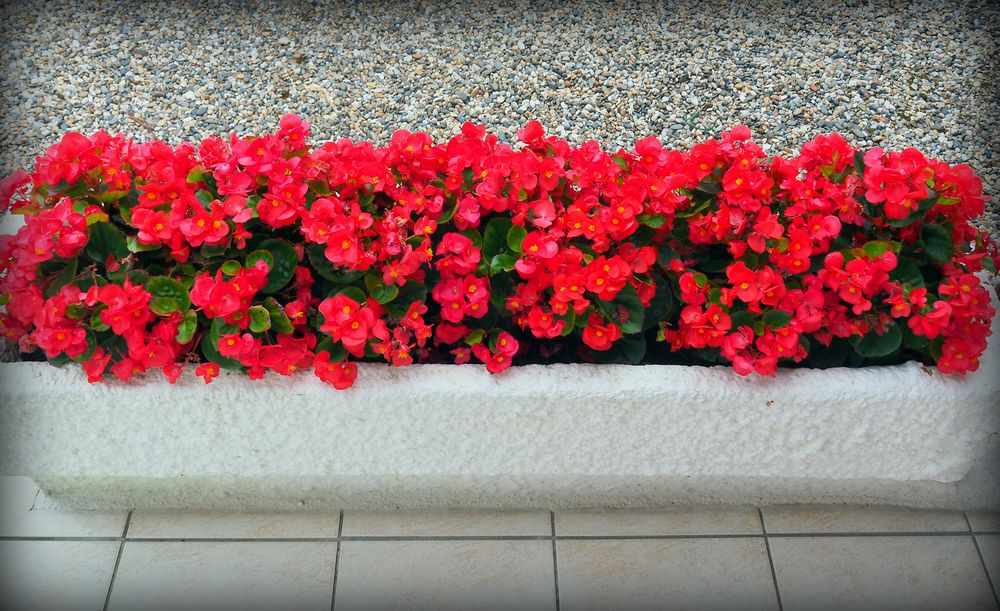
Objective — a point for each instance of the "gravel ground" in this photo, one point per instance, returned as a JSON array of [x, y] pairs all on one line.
[[916, 74]]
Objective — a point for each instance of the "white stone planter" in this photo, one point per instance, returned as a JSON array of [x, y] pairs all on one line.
[[535, 435]]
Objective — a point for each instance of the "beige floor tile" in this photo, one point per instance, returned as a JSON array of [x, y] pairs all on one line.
[[261, 575], [984, 521], [233, 525], [885, 573], [17, 495], [989, 546], [849, 519], [714, 574], [666, 521], [445, 575], [58, 523], [64, 575], [447, 523]]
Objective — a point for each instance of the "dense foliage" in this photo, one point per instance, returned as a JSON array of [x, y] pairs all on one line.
[[268, 253]]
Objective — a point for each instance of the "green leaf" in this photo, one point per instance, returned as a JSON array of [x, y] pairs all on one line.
[[776, 319], [210, 348], [824, 357], [96, 324], [260, 319], [134, 245], [708, 355], [187, 328], [468, 176], [447, 215], [907, 272], [354, 293], [317, 259], [320, 187], [503, 262], [197, 174], [106, 239], [495, 236], [282, 263], [515, 236], [111, 196], [163, 306], [336, 350], [77, 189], [501, 287], [211, 252], [741, 318], [859, 161], [570, 320], [384, 293], [626, 310], [163, 286], [59, 360], [412, 291], [224, 328], [475, 337], [913, 341], [62, 278], [873, 345], [279, 320], [877, 248], [709, 186], [205, 197], [137, 276], [91, 348], [690, 212], [653, 220], [936, 241], [661, 308], [365, 197], [125, 206], [473, 234], [629, 349], [231, 267]]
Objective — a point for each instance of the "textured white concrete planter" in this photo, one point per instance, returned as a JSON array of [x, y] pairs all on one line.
[[535, 435]]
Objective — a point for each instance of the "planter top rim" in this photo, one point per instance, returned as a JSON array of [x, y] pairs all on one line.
[[910, 379]]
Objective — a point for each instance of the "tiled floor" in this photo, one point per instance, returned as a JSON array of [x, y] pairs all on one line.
[[679, 558]]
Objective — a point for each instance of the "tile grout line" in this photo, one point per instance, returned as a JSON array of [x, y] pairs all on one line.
[[877, 533], [75, 539], [118, 560], [770, 559], [791, 535], [982, 561], [555, 562], [336, 565]]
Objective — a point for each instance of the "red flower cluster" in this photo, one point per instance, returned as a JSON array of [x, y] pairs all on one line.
[[267, 253]]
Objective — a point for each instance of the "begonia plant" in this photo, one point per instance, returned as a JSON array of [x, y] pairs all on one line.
[[270, 254]]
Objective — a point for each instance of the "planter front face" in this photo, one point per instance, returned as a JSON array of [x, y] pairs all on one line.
[[456, 435]]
